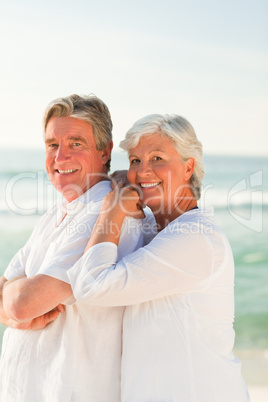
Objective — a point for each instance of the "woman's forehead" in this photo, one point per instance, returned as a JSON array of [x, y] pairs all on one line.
[[153, 142]]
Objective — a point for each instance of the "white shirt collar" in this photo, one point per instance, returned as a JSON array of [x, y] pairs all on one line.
[[93, 194]]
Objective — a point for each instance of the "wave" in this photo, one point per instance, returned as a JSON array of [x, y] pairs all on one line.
[[225, 198], [250, 258], [31, 204], [29, 191]]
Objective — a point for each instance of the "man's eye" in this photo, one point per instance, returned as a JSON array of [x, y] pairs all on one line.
[[76, 144], [157, 158], [133, 161], [52, 145]]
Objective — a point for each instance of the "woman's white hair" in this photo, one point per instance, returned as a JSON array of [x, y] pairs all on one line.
[[181, 134]]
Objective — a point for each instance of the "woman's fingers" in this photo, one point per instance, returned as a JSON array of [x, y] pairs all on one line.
[[119, 176], [123, 199], [130, 203]]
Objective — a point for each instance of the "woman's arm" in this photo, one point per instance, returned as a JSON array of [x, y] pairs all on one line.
[[178, 260], [116, 206]]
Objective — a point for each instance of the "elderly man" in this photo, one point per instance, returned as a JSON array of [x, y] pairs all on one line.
[[77, 356]]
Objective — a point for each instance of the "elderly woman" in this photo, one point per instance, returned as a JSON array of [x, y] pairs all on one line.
[[179, 289]]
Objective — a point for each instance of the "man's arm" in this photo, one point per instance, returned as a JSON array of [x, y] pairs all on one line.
[[25, 299], [4, 319], [37, 323]]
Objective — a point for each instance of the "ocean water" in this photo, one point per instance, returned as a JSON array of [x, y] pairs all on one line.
[[237, 188]]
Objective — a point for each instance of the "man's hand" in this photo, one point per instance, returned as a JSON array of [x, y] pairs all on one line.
[[26, 299], [42, 321], [37, 323]]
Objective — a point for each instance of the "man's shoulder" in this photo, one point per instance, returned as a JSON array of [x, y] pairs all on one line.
[[48, 216], [96, 193]]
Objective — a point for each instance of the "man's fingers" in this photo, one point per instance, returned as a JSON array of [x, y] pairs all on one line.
[[60, 308], [50, 316]]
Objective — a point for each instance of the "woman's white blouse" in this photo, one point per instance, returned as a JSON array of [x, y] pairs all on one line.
[[178, 327]]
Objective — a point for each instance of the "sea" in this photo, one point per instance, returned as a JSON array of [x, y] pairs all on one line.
[[235, 186]]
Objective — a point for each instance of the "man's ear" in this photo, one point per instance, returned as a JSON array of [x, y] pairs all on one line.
[[189, 168], [106, 153]]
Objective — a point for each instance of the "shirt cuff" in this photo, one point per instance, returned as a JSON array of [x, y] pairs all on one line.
[[85, 272], [11, 273]]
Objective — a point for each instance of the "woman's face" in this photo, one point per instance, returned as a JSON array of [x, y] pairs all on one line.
[[158, 173]]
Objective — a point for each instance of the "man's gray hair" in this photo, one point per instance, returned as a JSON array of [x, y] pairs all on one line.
[[182, 136], [88, 108]]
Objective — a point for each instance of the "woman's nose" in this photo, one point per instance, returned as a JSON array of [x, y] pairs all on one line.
[[144, 169]]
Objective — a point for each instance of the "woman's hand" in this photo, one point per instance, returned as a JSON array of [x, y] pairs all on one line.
[[119, 203], [119, 177], [123, 201]]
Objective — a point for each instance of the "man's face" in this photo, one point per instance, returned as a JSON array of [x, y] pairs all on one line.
[[73, 163]]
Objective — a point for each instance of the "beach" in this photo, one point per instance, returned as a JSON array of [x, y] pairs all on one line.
[[237, 189], [255, 373], [258, 394]]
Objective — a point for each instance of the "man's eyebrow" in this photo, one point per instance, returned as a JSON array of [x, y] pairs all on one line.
[[50, 140], [72, 138], [77, 138]]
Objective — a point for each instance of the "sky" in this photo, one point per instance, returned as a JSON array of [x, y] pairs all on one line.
[[205, 60]]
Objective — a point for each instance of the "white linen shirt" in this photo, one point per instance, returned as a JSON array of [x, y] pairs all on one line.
[[77, 357], [178, 327]]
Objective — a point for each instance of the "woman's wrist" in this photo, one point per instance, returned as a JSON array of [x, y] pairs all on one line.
[[116, 206], [107, 228]]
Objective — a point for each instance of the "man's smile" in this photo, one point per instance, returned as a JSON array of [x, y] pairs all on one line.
[[66, 171]]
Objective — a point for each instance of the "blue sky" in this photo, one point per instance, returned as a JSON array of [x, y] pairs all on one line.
[[205, 60]]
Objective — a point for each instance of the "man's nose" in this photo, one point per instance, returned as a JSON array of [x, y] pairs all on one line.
[[62, 154]]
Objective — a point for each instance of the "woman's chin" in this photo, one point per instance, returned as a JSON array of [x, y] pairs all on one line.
[[153, 205]]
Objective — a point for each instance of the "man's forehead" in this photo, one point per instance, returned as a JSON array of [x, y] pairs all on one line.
[[63, 121], [69, 128]]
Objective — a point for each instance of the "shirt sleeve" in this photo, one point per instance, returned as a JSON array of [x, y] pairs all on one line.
[[172, 263], [17, 266], [132, 237], [62, 256]]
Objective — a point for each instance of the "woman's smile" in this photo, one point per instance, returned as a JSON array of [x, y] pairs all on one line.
[[148, 186], [157, 169]]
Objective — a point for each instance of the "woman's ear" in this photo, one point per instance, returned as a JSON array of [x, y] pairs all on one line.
[[189, 168]]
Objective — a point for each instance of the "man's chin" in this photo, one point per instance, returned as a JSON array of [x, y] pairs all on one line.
[[69, 191]]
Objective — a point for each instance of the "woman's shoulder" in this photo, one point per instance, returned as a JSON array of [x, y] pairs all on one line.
[[197, 228], [195, 221]]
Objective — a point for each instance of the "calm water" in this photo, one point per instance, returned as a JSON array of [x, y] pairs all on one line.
[[237, 187]]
